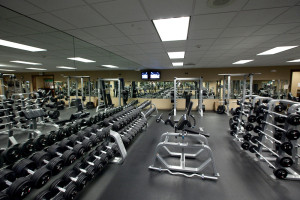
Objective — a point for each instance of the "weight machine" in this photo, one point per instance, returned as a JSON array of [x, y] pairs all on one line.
[[227, 81], [83, 98], [102, 91], [199, 92]]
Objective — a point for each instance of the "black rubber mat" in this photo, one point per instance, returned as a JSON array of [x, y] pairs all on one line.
[[240, 178]]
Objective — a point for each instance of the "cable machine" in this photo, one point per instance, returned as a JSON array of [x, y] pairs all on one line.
[[199, 92]]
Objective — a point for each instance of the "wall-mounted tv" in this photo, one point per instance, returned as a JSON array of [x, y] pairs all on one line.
[[145, 75], [154, 75]]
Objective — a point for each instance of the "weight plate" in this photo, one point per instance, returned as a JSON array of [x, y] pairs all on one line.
[[280, 173]]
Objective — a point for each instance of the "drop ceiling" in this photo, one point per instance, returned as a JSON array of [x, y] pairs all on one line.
[[217, 37]]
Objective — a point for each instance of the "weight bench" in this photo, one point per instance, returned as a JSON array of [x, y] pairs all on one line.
[[184, 151]]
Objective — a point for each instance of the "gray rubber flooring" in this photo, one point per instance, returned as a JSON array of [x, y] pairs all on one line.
[[240, 177]]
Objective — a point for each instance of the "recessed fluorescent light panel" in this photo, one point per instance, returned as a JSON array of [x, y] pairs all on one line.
[[110, 66], [176, 55], [64, 67], [297, 60], [276, 50], [240, 62], [20, 46], [82, 60], [173, 28], [40, 69], [177, 63], [2, 65], [26, 63], [7, 70]]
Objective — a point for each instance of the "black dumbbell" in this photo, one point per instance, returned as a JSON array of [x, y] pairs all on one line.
[[78, 149], [3, 196], [79, 179], [11, 154], [95, 138], [86, 169], [67, 156], [14, 188], [40, 142], [46, 194], [60, 134], [27, 167], [103, 157], [27, 147], [86, 143], [68, 190], [92, 161], [41, 158], [109, 150], [52, 137]]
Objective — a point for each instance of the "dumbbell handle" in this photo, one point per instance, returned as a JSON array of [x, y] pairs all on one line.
[[90, 163], [82, 170], [74, 179], [29, 171], [59, 154], [61, 189], [8, 182], [46, 161]]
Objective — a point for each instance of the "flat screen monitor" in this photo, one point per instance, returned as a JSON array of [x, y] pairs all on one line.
[[154, 75], [145, 75]]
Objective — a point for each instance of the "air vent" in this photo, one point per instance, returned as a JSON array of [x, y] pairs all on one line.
[[219, 3]]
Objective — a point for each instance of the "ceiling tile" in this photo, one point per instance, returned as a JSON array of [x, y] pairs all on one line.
[[98, 43], [202, 7], [157, 46], [49, 5], [295, 30], [81, 34], [286, 37], [100, 32], [145, 38], [239, 31], [52, 21], [117, 41], [137, 28], [292, 15], [121, 11], [81, 17], [96, 1], [159, 9], [172, 44], [204, 34], [10, 27], [21, 6], [269, 4], [211, 21], [275, 29], [256, 17], [227, 41]]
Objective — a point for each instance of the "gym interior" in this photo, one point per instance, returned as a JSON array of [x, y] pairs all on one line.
[[149, 99]]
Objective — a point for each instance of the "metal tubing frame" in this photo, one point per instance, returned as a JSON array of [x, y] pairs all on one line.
[[200, 82], [109, 79]]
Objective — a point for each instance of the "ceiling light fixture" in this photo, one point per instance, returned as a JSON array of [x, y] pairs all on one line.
[[82, 60], [297, 60], [276, 50], [110, 66], [172, 29], [64, 67], [26, 63], [40, 69], [176, 55], [7, 70], [20, 46], [177, 63], [240, 62]]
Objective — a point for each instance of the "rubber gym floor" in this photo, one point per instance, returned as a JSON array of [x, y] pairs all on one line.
[[240, 177]]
